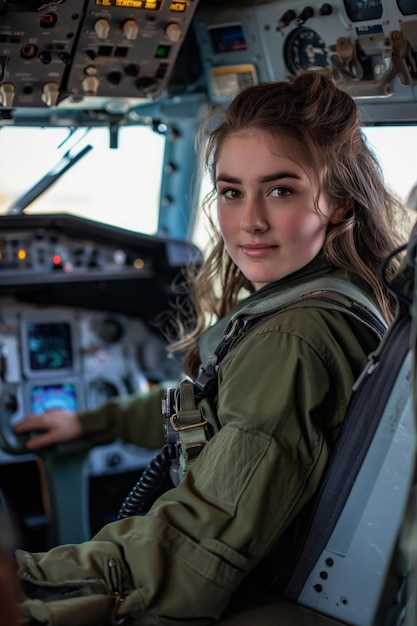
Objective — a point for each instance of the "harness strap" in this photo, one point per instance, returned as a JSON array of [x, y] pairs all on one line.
[[327, 289], [194, 420], [326, 292], [190, 426]]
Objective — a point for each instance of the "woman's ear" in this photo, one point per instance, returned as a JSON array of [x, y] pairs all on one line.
[[339, 213]]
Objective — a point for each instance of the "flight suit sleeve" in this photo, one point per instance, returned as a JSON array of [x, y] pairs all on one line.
[[183, 560], [135, 419]]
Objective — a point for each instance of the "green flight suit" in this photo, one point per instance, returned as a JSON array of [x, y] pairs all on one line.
[[283, 394]]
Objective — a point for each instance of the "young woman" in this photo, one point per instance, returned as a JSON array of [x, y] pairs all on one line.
[[299, 197]]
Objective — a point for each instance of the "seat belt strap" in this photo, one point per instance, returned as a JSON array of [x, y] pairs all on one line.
[[191, 421]]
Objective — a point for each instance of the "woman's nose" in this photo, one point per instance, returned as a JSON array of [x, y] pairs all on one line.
[[253, 217]]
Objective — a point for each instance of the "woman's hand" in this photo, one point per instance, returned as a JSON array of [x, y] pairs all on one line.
[[53, 426]]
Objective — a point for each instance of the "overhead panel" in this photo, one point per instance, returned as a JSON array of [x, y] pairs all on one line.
[[370, 47], [94, 54]]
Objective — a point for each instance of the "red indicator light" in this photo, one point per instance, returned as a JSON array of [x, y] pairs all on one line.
[[56, 259], [48, 20]]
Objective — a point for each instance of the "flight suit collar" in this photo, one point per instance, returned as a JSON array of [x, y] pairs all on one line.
[[211, 338]]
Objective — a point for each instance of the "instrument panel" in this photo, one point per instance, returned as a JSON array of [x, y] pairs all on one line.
[[60, 59], [80, 314], [61, 357], [363, 10], [74, 358], [369, 45], [70, 260], [105, 54], [79, 324]]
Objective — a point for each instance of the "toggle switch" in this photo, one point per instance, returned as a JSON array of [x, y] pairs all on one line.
[[7, 94], [50, 93], [130, 29], [90, 85], [102, 28]]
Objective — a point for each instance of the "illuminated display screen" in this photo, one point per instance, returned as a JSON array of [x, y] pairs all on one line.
[[361, 10], [228, 38], [49, 346], [47, 397], [132, 4], [178, 7]]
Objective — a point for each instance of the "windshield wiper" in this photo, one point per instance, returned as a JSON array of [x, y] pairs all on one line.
[[63, 165]]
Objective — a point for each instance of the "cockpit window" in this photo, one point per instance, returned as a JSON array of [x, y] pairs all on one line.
[[393, 146], [117, 186]]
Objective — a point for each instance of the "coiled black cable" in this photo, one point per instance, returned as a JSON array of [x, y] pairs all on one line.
[[154, 480]]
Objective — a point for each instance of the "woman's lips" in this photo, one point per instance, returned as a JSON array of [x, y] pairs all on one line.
[[258, 250]]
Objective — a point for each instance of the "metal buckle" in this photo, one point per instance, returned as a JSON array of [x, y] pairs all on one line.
[[179, 428]]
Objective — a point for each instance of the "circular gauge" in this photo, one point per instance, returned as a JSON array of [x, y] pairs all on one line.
[[109, 329], [304, 49], [100, 390]]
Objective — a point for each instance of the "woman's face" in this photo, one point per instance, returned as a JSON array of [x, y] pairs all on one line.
[[265, 206]]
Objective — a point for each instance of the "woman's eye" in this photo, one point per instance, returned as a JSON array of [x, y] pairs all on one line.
[[230, 193], [281, 192]]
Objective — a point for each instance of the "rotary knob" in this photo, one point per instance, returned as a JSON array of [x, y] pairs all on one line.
[[102, 28], [50, 93], [130, 29], [173, 31]]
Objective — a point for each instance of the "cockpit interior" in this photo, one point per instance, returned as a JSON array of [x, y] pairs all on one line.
[[85, 294]]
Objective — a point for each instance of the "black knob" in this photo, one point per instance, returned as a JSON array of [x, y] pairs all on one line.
[[114, 78], [326, 9], [45, 56], [65, 57], [132, 70], [288, 17], [114, 459], [305, 14]]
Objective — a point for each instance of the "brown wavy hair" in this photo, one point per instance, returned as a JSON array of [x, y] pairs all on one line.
[[324, 119]]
